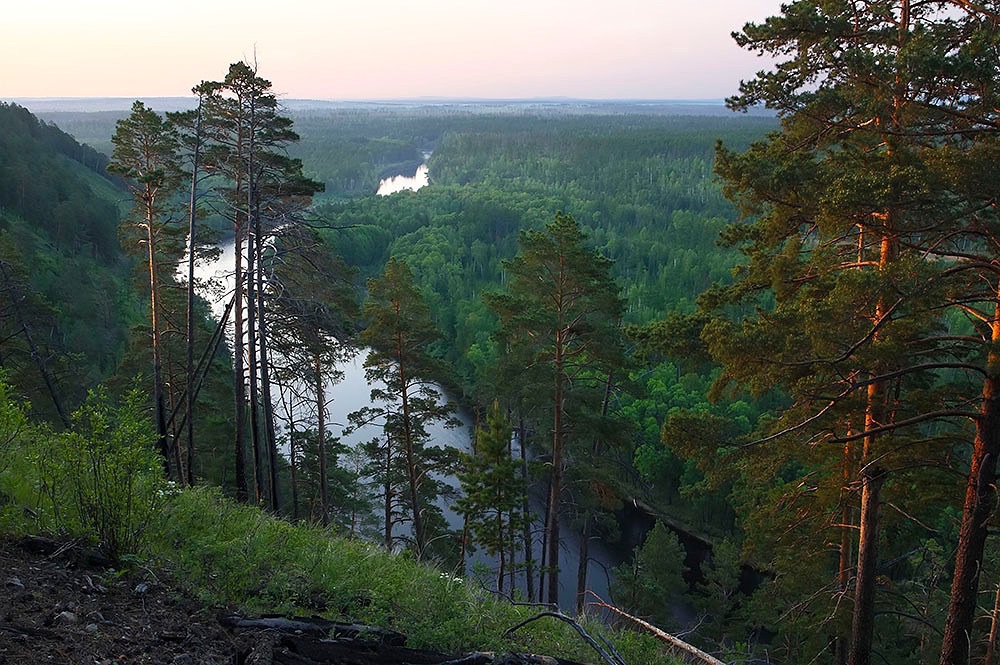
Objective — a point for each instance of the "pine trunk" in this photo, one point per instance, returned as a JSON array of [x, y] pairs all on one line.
[[252, 348], [324, 488], [864, 596], [980, 500], [154, 307], [189, 328], [388, 495], [842, 642], [581, 571], [555, 487], [239, 375], [529, 563]]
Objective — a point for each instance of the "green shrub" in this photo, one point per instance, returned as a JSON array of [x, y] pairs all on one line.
[[103, 478], [17, 482]]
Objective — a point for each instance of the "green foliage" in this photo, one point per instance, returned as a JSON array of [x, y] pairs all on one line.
[[717, 598], [652, 584], [58, 218], [17, 473], [104, 474], [41, 182], [844, 304], [236, 555], [640, 187], [101, 480], [493, 489], [401, 336]]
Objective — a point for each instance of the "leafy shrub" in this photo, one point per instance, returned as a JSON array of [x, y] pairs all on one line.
[[16, 481], [103, 477]]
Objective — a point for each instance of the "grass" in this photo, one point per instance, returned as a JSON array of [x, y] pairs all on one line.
[[234, 555]]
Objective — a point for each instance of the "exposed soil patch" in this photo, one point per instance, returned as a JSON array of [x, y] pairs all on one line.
[[59, 604]]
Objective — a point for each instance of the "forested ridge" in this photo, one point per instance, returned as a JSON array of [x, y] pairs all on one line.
[[760, 349]]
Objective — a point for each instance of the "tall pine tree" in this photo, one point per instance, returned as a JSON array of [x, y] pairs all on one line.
[[559, 325]]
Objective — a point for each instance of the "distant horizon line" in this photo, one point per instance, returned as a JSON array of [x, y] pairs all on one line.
[[553, 98], [53, 106]]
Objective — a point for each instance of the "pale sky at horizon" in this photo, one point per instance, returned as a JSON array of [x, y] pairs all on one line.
[[381, 49]]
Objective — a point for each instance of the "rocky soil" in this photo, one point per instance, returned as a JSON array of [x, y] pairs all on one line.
[[61, 604]]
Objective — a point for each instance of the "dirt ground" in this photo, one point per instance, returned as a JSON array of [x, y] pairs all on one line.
[[61, 605]]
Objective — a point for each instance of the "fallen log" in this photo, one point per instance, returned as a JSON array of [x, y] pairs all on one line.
[[314, 626], [276, 640]]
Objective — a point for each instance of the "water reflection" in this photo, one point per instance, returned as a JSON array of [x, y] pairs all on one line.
[[401, 183]]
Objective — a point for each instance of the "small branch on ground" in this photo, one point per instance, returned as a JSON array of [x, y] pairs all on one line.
[[611, 659]]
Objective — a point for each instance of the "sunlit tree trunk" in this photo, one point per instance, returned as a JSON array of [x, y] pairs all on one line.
[[978, 508]]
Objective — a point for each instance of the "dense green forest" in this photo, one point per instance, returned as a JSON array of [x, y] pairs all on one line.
[[761, 349]]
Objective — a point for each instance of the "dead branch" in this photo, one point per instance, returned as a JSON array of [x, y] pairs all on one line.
[[666, 637]]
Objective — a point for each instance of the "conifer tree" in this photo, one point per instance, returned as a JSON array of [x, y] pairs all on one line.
[[400, 333], [861, 226], [313, 311], [146, 156], [493, 491], [264, 191], [559, 322]]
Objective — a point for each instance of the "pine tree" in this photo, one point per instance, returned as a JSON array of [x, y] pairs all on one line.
[[493, 491], [864, 251], [400, 333], [313, 311], [264, 190], [559, 324], [146, 155]]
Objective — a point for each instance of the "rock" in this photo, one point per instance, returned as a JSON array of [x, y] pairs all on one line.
[[91, 628], [141, 588], [65, 618], [183, 659], [100, 588], [15, 583]]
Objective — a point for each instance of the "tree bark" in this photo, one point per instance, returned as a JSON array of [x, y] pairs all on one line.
[[189, 328], [260, 490], [581, 570], [239, 375], [980, 501], [556, 482], [529, 562], [154, 301], [270, 436], [324, 487], [388, 494], [841, 644], [872, 479]]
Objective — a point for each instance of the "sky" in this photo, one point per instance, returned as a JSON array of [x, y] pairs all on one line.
[[381, 49]]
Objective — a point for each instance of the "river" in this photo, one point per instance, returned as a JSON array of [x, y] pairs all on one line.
[[352, 392], [400, 183]]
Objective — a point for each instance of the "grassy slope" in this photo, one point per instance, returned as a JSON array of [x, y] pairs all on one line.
[[237, 555]]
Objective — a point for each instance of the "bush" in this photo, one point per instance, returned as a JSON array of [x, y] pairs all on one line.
[[16, 481], [104, 478]]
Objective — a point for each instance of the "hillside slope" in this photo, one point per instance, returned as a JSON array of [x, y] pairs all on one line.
[[64, 292]]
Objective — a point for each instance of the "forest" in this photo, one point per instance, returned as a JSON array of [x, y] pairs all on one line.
[[755, 351]]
